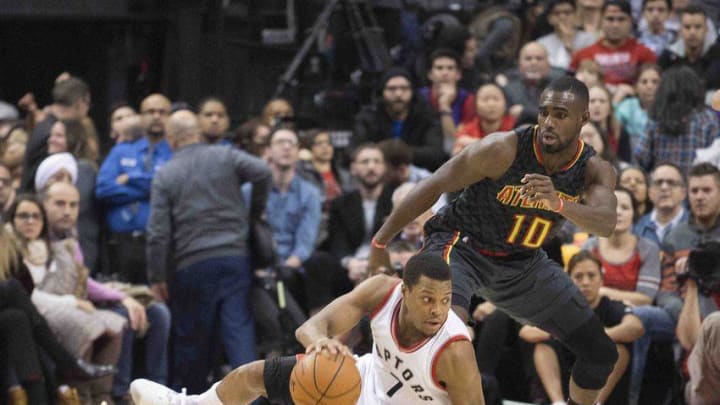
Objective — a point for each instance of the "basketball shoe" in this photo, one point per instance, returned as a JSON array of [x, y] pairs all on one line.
[[146, 392]]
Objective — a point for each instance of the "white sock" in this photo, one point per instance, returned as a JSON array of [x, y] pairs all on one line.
[[209, 397], [559, 403]]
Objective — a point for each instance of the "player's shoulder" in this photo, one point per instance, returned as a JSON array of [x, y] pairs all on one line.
[[497, 144], [599, 170], [376, 290]]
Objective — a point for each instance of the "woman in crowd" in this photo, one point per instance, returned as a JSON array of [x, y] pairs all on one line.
[[63, 293], [633, 103], [253, 136], [635, 179], [25, 332], [278, 112], [680, 123], [601, 114], [213, 120], [492, 115], [595, 137], [631, 265]]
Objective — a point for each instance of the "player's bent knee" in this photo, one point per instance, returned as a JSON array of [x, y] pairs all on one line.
[[243, 381], [595, 355]]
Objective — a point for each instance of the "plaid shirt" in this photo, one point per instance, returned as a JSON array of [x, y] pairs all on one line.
[[653, 147]]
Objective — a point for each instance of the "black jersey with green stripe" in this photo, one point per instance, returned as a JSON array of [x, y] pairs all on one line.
[[495, 216]]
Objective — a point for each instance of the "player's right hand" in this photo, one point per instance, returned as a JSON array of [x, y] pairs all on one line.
[[330, 346]]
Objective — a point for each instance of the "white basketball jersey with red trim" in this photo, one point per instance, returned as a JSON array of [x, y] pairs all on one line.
[[396, 375]]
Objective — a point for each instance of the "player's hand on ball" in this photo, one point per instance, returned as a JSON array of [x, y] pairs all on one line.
[[330, 346], [537, 187]]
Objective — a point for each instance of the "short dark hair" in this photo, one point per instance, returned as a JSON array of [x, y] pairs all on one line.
[[362, 147], [396, 152], [692, 9], [401, 246], [425, 264], [623, 5], [580, 257], [118, 105], [572, 85], [554, 3], [307, 137], [667, 2], [705, 169], [443, 53], [670, 164], [208, 99], [69, 91]]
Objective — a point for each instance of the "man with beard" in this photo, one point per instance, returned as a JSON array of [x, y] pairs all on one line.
[[123, 185], [399, 114], [356, 216], [518, 188]]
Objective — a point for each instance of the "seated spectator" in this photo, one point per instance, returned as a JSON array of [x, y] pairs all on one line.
[[601, 114], [357, 215], [398, 163], [118, 113], [400, 251], [400, 114], [454, 104], [498, 31], [617, 52], [692, 49], [277, 113], [214, 121], [13, 153], [666, 192], [631, 265], [528, 81], [63, 291], [654, 34], [253, 137], [589, 16], [553, 361], [595, 137], [492, 114], [632, 111], [413, 231], [635, 179], [565, 39], [589, 73], [680, 123]]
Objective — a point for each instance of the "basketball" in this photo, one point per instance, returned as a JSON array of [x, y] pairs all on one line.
[[322, 379]]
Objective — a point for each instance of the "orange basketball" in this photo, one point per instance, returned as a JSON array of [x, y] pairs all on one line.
[[322, 379]]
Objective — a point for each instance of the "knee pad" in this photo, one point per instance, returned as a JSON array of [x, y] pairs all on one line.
[[595, 354]]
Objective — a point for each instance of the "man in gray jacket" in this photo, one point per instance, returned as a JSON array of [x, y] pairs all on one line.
[[196, 244]]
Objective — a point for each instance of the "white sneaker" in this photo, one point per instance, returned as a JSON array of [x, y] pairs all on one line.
[[146, 392]]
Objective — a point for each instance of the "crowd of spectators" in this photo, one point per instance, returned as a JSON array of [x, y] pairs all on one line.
[[140, 258]]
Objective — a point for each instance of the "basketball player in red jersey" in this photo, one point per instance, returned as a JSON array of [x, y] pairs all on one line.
[[518, 188], [421, 351]]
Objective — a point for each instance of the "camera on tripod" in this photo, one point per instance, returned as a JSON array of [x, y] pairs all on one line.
[[703, 266]]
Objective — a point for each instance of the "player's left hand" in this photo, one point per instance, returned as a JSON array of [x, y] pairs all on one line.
[[538, 187]]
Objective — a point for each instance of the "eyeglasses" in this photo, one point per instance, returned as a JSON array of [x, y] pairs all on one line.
[[669, 182], [5, 182], [27, 216]]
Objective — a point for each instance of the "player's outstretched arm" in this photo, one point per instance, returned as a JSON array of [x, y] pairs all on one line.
[[488, 157], [457, 370], [342, 314]]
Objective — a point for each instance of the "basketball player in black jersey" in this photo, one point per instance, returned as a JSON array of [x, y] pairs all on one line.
[[518, 188]]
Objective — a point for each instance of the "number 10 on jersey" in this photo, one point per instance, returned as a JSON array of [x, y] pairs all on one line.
[[536, 232]]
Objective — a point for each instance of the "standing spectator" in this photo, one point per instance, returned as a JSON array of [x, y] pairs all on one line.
[[123, 185], [693, 49], [455, 105], [528, 81], [618, 53], [356, 216], [492, 115], [667, 193], [632, 112], [7, 193], [553, 361], [655, 34], [199, 222], [631, 264], [214, 121], [71, 100], [635, 179], [118, 113], [400, 114], [602, 115], [565, 39], [680, 123], [590, 16], [277, 113]]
